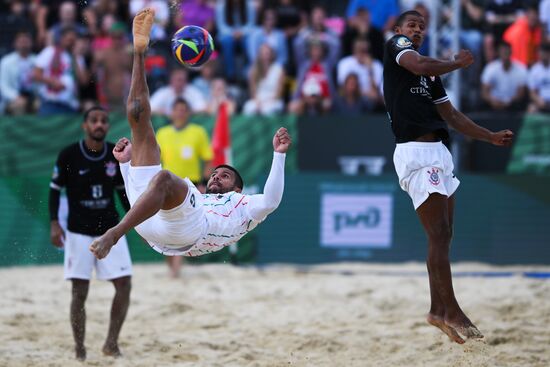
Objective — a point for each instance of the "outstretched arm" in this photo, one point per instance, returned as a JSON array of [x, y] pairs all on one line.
[[423, 65], [263, 204], [458, 121]]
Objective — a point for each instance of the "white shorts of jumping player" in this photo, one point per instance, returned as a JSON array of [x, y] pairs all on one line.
[[424, 168]]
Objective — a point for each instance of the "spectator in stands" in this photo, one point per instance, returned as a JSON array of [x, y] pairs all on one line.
[[383, 12], [16, 69], [267, 33], [366, 68], [102, 37], [87, 91], [163, 99], [499, 15], [207, 73], [184, 148], [290, 19], [218, 95], [59, 72], [360, 26], [544, 14], [525, 36], [99, 9], [234, 19], [16, 20], [266, 82], [350, 101], [68, 17], [317, 32], [196, 12], [504, 81], [539, 82], [314, 93], [114, 67]]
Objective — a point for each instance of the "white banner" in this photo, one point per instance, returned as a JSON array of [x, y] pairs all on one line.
[[356, 220]]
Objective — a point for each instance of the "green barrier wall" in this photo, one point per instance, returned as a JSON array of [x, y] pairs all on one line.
[[531, 153], [28, 151], [498, 219]]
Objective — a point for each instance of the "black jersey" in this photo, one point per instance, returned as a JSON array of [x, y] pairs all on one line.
[[90, 179], [411, 99]]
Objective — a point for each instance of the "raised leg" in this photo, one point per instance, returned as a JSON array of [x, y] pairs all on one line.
[[145, 150], [165, 191], [78, 315], [119, 309], [436, 215]]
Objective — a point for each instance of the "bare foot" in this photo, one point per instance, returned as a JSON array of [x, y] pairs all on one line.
[[466, 328], [101, 246], [111, 351], [143, 21], [438, 322], [80, 353]]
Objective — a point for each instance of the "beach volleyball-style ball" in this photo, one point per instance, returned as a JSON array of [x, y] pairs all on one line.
[[192, 45]]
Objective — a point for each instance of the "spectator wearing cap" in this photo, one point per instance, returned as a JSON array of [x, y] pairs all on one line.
[[539, 82], [59, 71], [504, 81], [16, 68], [314, 93]]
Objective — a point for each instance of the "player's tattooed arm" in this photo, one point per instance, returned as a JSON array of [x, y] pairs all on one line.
[[137, 109]]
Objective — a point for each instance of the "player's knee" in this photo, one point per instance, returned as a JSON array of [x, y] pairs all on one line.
[[162, 179]]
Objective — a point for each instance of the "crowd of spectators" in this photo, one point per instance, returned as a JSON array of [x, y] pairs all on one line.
[[272, 56]]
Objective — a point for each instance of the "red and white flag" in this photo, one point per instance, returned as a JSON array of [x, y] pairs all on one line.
[[221, 138]]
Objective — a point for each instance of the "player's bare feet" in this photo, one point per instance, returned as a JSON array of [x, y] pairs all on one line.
[[143, 21], [80, 353], [111, 350], [439, 322], [101, 246], [465, 328]]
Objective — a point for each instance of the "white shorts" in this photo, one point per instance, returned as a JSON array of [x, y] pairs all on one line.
[[169, 231], [424, 169], [79, 260]]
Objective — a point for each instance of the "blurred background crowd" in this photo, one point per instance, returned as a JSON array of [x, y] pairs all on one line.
[[272, 56]]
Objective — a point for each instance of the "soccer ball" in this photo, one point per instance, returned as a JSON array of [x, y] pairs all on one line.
[[192, 45]]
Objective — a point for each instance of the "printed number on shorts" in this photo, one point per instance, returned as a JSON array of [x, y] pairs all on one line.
[[192, 200]]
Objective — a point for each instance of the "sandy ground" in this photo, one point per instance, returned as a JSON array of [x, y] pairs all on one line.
[[331, 315]]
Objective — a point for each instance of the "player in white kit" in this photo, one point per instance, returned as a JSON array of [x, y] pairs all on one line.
[[170, 213]]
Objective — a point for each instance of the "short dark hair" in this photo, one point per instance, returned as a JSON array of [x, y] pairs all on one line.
[[545, 46], [238, 179], [67, 29], [93, 108], [182, 101], [401, 19], [503, 43]]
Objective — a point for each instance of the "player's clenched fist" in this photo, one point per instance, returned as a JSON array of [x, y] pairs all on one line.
[[464, 58], [123, 150], [281, 140]]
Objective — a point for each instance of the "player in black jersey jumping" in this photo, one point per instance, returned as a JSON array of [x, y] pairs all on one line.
[[90, 174], [420, 110]]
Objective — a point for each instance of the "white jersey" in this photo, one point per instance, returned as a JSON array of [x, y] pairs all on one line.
[[203, 223]]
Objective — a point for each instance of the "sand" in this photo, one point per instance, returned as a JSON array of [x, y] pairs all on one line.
[[330, 315]]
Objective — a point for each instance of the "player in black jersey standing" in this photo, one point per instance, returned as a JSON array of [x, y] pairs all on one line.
[[90, 174], [420, 110]]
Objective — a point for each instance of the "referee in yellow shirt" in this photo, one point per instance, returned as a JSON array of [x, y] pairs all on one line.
[[185, 150]]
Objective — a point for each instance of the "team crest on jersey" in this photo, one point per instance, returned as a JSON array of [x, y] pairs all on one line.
[[403, 42], [434, 176], [110, 169]]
